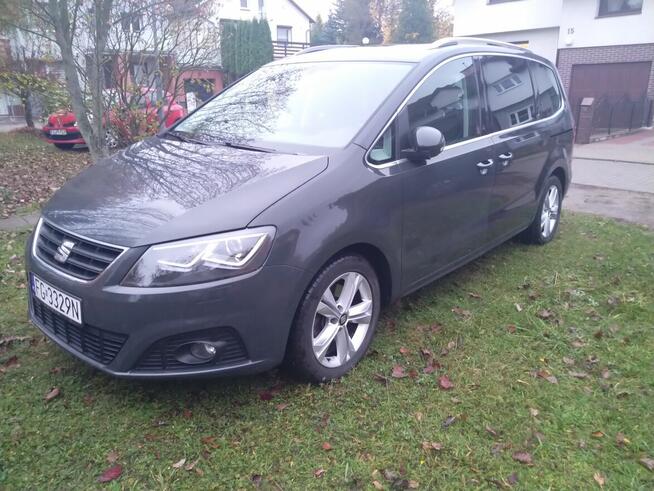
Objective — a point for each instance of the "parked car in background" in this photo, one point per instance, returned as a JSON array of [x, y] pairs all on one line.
[[274, 222], [62, 130]]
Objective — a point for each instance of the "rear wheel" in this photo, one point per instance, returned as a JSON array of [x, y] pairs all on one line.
[[336, 320], [64, 146], [546, 223]]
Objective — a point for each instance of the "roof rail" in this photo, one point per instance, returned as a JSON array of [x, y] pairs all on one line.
[[323, 47], [453, 41]]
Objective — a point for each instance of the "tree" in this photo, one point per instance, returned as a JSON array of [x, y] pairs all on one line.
[[319, 36], [334, 31], [245, 46], [360, 23], [385, 13], [415, 22]]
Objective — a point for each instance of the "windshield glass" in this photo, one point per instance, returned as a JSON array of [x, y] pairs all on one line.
[[319, 104]]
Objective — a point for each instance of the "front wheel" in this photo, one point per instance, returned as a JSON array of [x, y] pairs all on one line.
[[546, 223], [336, 320]]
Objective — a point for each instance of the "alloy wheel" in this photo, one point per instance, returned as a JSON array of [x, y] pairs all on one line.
[[342, 319], [550, 212]]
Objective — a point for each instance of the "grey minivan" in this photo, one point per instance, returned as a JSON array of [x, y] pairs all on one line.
[[274, 222]]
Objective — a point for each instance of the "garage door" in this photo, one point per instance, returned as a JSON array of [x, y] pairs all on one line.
[[621, 86]]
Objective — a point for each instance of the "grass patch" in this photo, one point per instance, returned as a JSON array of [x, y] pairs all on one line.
[[31, 170], [579, 310]]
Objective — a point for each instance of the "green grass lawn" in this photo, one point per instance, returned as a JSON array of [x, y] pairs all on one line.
[[550, 351]]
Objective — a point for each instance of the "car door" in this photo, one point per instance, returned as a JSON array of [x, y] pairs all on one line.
[[521, 143], [445, 199]]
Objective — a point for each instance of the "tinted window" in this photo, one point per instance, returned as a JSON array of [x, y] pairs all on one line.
[[448, 101], [509, 92], [320, 104], [548, 95]]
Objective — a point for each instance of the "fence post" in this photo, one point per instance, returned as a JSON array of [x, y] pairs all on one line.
[[631, 116], [585, 120]]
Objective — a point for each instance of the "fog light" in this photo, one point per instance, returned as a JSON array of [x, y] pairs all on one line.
[[203, 351], [198, 352]]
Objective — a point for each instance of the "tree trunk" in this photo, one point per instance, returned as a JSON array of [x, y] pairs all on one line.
[[26, 99]]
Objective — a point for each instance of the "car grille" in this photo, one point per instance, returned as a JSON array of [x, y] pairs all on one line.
[[161, 355], [98, 344], [87, 259], [64, 138]]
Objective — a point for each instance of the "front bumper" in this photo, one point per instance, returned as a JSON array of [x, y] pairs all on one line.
[[72, 136], [257, 308]]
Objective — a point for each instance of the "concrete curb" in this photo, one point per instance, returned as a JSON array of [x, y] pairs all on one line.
[[18, 223]]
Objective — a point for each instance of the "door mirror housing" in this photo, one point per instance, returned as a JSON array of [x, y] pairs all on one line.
[[426, 142]]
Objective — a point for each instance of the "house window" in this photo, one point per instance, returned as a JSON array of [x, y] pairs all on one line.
[[507, 83], [619, 7], [244, 4], [522, 116], [284, 34], [491, 2]]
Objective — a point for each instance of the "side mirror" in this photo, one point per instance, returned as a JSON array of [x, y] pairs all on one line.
[[426, 142]]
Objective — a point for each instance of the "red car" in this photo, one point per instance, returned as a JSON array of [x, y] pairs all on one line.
[[62, 130]]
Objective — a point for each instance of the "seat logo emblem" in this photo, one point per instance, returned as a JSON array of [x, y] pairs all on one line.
[[64, 250]]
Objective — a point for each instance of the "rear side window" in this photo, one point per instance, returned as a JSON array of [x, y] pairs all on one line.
[[548, 93], [448, 100], [508, 91]]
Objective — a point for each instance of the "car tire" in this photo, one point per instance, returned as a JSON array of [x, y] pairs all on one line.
[[315, 321], [64, 146], [546, 222]]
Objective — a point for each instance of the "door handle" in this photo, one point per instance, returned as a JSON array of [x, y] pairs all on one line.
[[505, 159], [484, 165]]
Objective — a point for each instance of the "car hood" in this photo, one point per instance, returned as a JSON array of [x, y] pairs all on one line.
[[161, 190]]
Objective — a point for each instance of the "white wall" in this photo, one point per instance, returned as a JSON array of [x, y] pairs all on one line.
[[543, 42], [474, 17], [581, 16], [277, 12]]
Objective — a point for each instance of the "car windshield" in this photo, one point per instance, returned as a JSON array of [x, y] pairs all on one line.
[[320, 104]]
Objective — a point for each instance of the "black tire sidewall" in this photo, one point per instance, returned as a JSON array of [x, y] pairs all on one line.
[[302, 361]]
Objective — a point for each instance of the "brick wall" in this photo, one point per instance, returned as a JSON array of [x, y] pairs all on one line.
[[569, 57]]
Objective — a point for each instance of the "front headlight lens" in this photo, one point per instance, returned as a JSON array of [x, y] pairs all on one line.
[[203, 259]]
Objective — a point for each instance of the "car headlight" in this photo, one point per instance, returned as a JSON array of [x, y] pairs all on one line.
[[202, 259]]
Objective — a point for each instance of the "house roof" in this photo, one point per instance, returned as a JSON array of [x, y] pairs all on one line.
[[302, 11]]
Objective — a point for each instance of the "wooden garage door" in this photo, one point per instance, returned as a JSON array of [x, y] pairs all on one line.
[[611, 80]]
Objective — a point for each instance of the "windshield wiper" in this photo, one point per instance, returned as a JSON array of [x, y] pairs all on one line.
[[184, 137], [245, 146]]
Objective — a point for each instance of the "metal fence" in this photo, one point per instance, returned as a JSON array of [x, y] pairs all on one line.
[[619, 115]]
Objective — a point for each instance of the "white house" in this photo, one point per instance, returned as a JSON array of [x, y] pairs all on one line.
[[602, 48], [290, 24]]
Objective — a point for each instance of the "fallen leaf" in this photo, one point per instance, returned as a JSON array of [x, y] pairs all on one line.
[[187, 413], [88, 400], [265, 395], [474, 295], [431, 367], [190, 466], [111, 474], [523, 457], [568, 361], [579, 375], [405, 351], [606, 374], [13, 339], [413, 484], [544, 314], [281, 406], [464, 314], [599, 479], [56, 370], [209, 441], [533, 411], [511, 328], [518, 307], [413, 374], [377, 485], [578, 343], [179, 464], [449, 421], [390, 475], [491, 430], [326, 446], [436, 328], [112, 457], [445, 383], [256, 479], [418, 415], [512, 479], [319, 472], [12, 362], [597, 434], [621, 440], [436, 446], [54, 393], [398, 372], [544, 374], [648, 462], [378, 377]]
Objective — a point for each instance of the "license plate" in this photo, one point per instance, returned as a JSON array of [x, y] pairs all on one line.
[[58, 132], [57, 300]]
